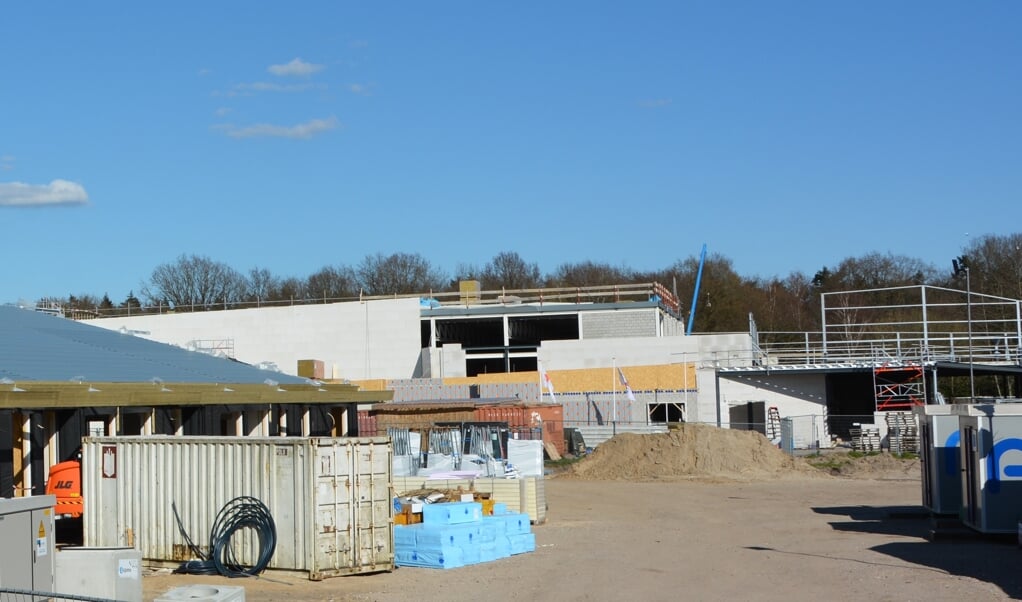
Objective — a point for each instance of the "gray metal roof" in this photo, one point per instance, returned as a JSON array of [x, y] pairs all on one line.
[[35, 346]]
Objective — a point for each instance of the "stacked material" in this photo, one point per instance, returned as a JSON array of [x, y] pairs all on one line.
[[902, 432], [458, 534]]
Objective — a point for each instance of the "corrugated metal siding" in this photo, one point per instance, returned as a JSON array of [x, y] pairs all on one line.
[[329, 497]]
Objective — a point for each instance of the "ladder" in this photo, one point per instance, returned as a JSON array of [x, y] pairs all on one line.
[[773, 425]]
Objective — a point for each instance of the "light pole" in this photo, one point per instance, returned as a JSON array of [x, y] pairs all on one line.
[[962, 265]]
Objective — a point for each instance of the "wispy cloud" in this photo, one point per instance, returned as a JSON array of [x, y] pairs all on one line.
[[361, 89], [296, 68], [272, 87], [222, 111], [204, 72], [655, 103], [302, 131], [6, 162], [57, 192]]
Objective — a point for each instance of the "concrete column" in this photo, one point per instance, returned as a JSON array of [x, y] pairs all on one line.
[[306, 422], [264, 423]]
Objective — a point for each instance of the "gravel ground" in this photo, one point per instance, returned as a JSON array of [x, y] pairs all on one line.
[[797, 538]]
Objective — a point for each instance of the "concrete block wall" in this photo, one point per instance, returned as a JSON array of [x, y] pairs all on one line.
[[619, 323]]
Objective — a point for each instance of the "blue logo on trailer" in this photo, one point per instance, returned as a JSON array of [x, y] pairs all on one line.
[[951, 453], [994, 463]]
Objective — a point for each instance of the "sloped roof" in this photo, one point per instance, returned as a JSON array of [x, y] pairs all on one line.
[[35, 346]]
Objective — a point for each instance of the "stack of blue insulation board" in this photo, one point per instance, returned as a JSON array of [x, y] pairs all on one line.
[[457, 534]]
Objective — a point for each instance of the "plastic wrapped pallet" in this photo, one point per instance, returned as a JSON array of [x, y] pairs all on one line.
[[526, 456], [452, 513]]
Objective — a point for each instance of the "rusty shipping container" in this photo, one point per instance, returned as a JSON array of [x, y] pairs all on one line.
[[549, 417], [330, 498]]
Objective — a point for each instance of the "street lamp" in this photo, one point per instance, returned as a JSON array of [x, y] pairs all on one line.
[[960, 265]]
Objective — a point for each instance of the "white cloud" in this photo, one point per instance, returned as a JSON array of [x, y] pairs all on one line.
[[57, 192], [223, 111], [6, 162], [302, 131], [272, 87], [296, 68]]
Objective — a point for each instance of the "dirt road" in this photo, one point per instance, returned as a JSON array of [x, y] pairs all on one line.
[[795, 538]]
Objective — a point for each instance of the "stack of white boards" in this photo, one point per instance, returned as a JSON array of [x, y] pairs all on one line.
[[457, 534]]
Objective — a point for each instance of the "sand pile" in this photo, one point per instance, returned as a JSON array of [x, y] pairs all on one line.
[[690, 451]]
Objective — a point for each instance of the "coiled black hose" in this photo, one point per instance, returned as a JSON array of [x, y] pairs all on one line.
[[240, 513]]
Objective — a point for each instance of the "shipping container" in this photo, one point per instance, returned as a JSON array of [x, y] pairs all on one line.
[[330, 498]]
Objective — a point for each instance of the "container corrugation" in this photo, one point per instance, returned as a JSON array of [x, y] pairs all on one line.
[[329, 497]]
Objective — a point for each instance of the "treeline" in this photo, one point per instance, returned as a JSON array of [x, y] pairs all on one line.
[[726, 298]]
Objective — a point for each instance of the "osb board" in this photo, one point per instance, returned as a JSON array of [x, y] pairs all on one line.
[[640, 378], [372, 384]]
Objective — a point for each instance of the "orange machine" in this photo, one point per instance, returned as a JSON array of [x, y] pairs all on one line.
[[66, 483]]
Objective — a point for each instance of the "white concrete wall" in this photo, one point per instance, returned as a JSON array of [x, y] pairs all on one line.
[[375, 339], [707, 351]]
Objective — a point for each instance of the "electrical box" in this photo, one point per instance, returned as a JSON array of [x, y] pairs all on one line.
[[204, 593], [113, 573], [26, 533]]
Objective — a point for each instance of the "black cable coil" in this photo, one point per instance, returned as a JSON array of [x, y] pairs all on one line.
[[240, 513]]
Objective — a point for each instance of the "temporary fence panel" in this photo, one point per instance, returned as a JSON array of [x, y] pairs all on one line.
[[329, 497]]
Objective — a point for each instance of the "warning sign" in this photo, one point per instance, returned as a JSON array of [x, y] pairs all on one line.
[[42, 529], [109, 462]]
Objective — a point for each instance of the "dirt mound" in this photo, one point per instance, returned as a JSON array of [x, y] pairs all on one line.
[[879, 466], [690, 451]]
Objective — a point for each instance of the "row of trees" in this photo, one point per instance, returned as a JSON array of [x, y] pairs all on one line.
[[789, 303]]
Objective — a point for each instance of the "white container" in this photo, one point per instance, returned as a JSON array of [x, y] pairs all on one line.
[[330, 498], [113, 573], [940, 458], [991, 455]]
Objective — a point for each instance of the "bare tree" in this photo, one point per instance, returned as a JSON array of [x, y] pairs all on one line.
[[262, 285], [509, 270], [400, 273], [995, 265], [332, 283], [194, 282], [588, 273]]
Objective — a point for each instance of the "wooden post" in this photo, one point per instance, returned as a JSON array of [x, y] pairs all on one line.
[[17, 457]]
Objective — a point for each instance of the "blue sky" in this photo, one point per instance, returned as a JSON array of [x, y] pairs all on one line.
[[786, 135]]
